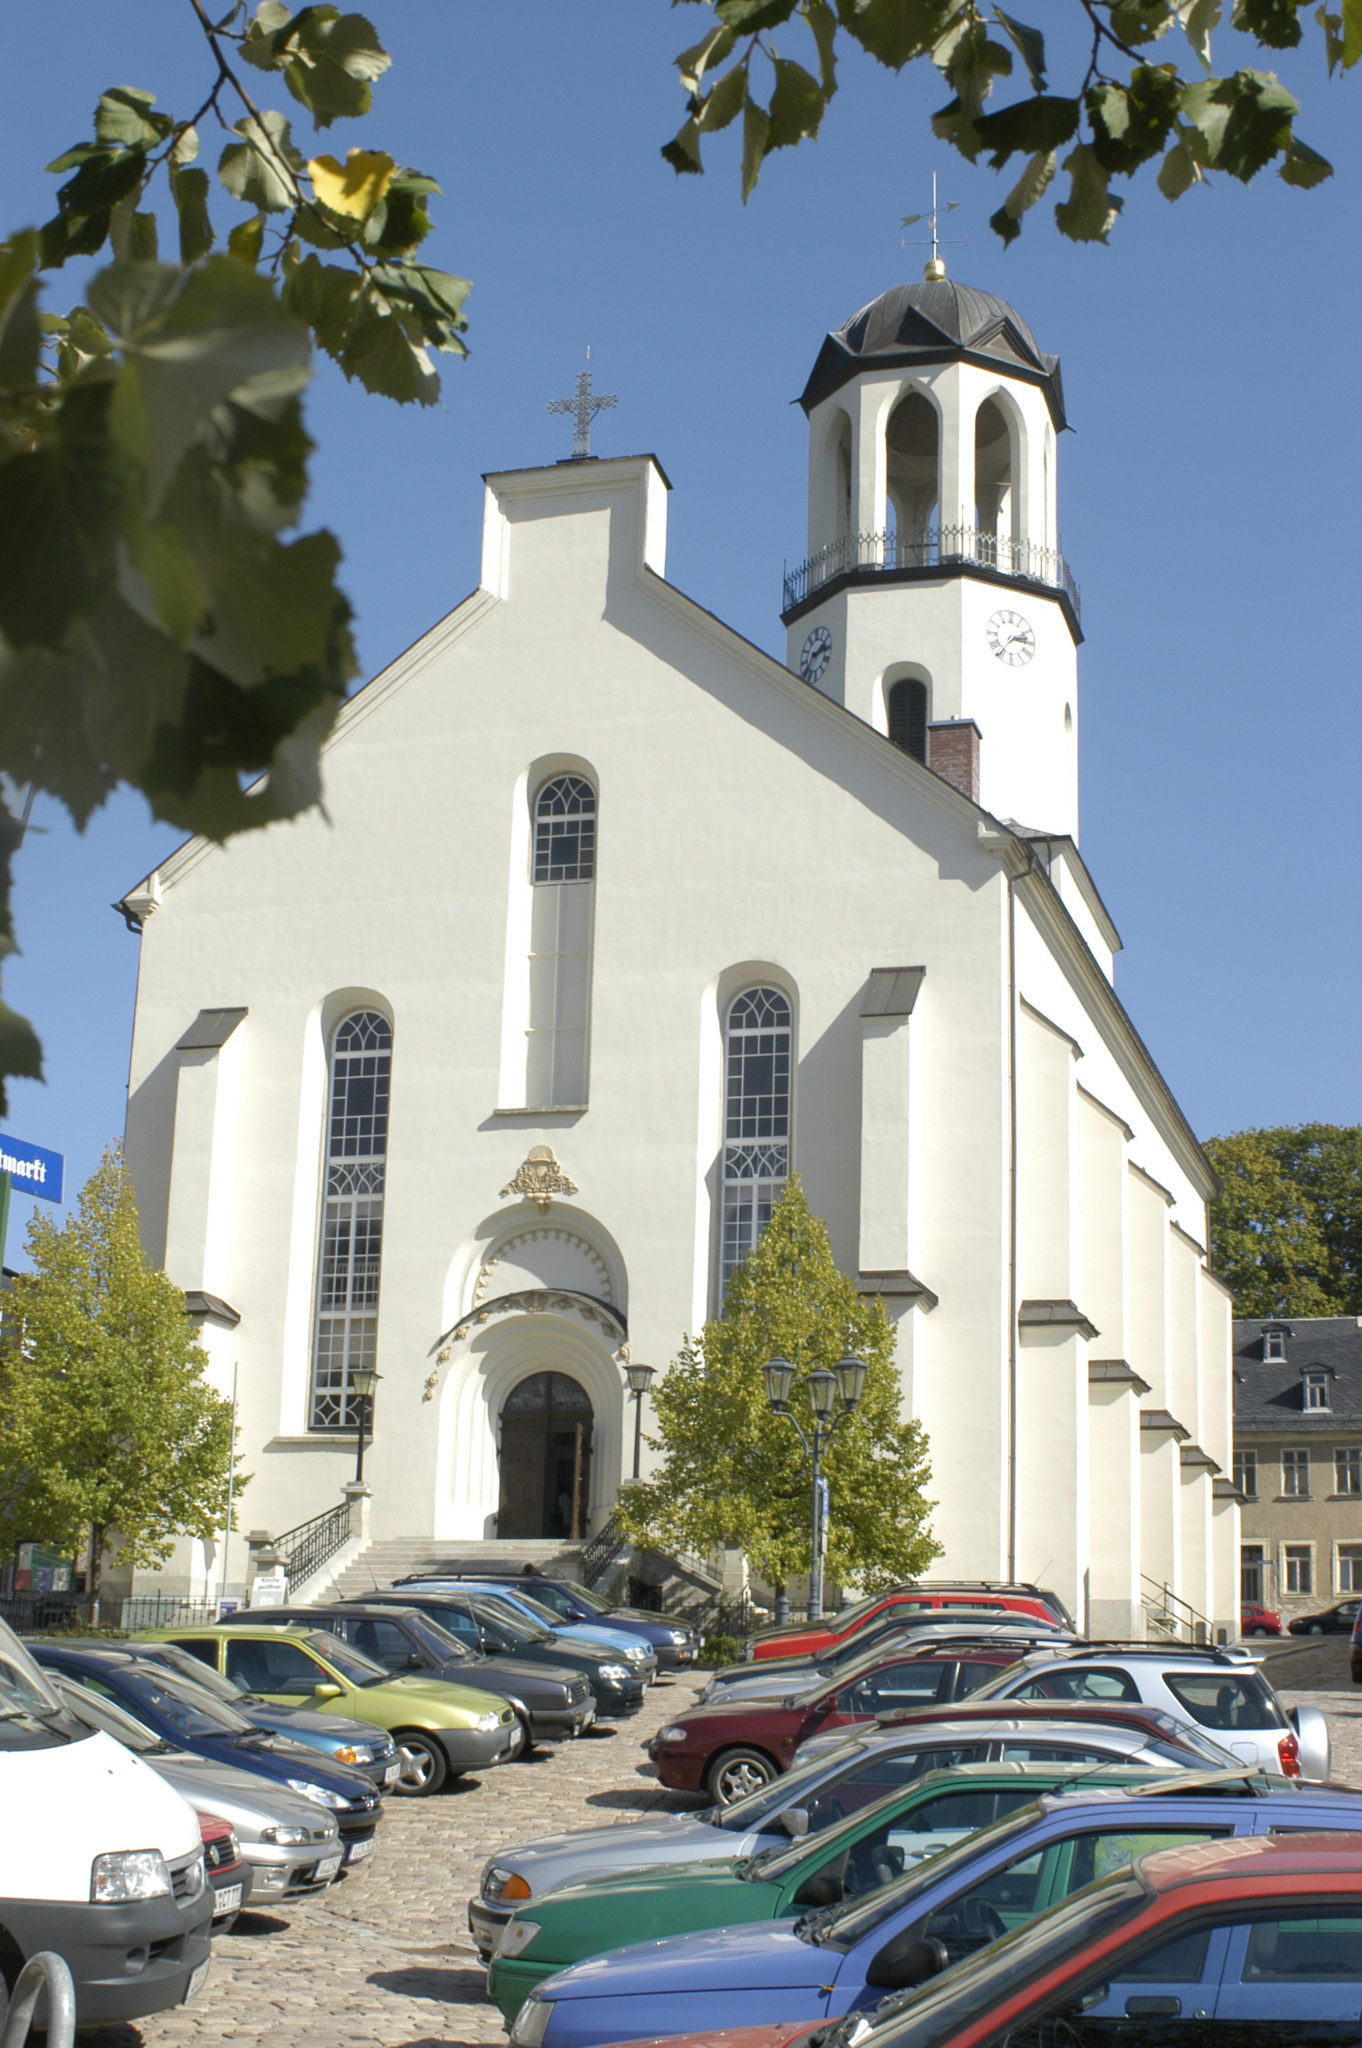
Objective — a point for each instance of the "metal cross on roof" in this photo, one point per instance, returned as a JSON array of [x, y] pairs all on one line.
[[936, 268], [584, 406]]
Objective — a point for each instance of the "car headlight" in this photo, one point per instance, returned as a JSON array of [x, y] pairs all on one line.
[[123, 1874], [532, 2022], [305, 1787], [487, 1722], [348, 1755], [516, 1936], [673, 1735], [616, 1673], [499, 1884], [681, 1635], [285, 1837]]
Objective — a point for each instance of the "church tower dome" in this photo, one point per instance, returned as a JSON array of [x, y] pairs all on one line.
[[934, 601]]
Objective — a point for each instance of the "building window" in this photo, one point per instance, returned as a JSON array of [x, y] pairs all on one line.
[[1246, 1473], [346, 1338], [758, 1037], [1348, 1472], [1299, 1563], [907, 710], [1274, 1346], [561, 919], [1349, 1570], [1252, 1572], [1316, 1390], [1296, 1474]]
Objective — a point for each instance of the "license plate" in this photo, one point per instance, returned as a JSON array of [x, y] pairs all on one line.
[[228, 1901], [392, 1773], [328, 1867], [196, 1982], [357, 1851]]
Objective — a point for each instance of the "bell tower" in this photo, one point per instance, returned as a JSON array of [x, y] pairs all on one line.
[[934, 601]]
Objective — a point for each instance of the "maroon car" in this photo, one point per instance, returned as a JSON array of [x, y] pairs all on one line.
[[754, 1741]]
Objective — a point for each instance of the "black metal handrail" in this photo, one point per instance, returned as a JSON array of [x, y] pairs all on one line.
[[45, 1971], [606, 1548], [944, 547], [304, 1550]]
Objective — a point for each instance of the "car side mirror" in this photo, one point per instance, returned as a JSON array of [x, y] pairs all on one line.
[[909, 1959], [327, 1691], [795, 1821], [415, 1661]]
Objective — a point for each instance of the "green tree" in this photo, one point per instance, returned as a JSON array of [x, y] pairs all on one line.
[[733, 1473], [106, 1419], [1122, 111], [1286, 1229]]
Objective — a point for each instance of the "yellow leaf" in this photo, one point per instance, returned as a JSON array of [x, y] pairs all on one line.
[[354, 187]]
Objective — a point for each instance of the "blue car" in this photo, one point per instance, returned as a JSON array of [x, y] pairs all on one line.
[[675, 1643], [372, 1750], [640, 1656], [844, 1958], [181, 1712]]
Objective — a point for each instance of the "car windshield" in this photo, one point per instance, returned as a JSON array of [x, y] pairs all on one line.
[[352, 1664], [510, 1619], [191, 1712], [846, 1925], [227, 1691], [777, 1862], [534, 1610], [26, 1692], [756, 1808], [1007, 1677], [101, 1713], [940, 2011], [438, 1641], [587, 1598]]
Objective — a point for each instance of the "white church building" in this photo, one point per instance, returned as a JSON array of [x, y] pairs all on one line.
[[486, 1078]]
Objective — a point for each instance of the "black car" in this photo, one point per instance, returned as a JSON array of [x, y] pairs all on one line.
[[675, 1642], [551, 1706], [182, 1713], [487, 1624], [1331, 1621]]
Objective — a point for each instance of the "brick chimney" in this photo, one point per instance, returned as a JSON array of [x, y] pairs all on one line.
[[953, 754]]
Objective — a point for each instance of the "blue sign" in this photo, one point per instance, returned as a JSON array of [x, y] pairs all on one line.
[[32, 1171]]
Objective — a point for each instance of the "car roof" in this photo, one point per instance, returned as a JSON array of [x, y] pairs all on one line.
[[107, 1653], [1129, 1734], [1287, 1858]]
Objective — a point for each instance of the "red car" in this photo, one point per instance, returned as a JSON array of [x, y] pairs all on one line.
[[1258, 1621], [1229, 1944], [807, 1638]]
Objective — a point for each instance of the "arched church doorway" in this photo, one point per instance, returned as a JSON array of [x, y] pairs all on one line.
[[546, 1428]]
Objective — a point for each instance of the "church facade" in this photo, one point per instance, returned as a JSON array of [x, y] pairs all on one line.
[[486, 1079]]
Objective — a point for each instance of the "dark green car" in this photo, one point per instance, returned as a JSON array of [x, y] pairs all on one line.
[[869, 1849]]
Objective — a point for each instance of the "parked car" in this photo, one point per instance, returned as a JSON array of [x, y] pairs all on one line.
[[100, 1860], [488, 1625], [947, 1668], [1256, 1941], [799, 1638], [674, 1642], [550, 1706], [839, 1959], [1255, 1620], [291, 1844], [371, 1750], [181, 1713], [869, 1848], [1338, 1620], [226, 1871], [818, 1794], [639, 1655]]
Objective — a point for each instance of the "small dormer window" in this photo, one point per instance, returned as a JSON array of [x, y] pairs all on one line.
[[1274, 1346], [1316, 1390]]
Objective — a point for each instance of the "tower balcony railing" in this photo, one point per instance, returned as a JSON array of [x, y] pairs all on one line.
[[944, 547]]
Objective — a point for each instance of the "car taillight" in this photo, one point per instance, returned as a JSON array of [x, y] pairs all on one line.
[[1289, 1755]]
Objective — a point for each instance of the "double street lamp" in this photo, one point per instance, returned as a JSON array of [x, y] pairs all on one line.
[[363, 1385], [640, 1378], [824, 1389]]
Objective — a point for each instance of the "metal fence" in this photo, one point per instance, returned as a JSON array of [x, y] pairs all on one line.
[[304, 1550], [31, 1614], [942, 548]]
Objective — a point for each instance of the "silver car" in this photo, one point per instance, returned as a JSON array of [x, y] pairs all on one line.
[[290, 1845], [854, 1766]]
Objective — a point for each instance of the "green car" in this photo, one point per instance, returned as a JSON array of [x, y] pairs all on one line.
[[869, 1849], [441, 1730]]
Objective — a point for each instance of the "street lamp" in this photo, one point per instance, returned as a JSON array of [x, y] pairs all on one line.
[[825, 1389], [364, 1385], [640, 1378]]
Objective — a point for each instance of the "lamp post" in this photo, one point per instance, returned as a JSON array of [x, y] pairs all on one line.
[[824, 1389], [363, 1385], [640, 1378]]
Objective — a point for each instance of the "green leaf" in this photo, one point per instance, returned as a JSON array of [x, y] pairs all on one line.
[[692, 64], [1245, 120], [1035, 126], [1142, 21], [21, 1056], [20, 335], [263, 169], [725, 102], [403, 221], [1089, 213], [334, 61], [1179, 171], [1030, 45], [325, 298], [896, 31], [58, 524], [1198, 23], [174, 581], [260, 44], [1352, 33], [86, 203], [796, 105], [189, 189], [1304, 166], [756, 126], [683, 151], [1032, 185], [124, 116], [1131, 124], [246, 240], [748, 16], [1274, 23], [185, 149], [823, 27], [435, 297], [385, 360]]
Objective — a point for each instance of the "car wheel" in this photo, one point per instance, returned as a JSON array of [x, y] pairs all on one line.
[[736, 1772], [423, 1766], [528, 1733], [1257, 1631], [1314, 1629]]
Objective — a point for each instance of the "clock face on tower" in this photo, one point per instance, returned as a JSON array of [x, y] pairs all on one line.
[[816, 655], [1012, 638]]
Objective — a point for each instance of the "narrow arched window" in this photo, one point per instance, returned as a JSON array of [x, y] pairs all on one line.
[[758, 1050], [907, 709], [346, 1338], [563, 874]]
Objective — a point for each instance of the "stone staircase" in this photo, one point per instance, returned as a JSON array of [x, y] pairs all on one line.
[[380, 1564]]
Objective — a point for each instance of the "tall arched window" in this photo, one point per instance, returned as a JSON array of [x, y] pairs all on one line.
[[912, 464], [346, 1338], [758, 1047], [563, 874], [907, 709]]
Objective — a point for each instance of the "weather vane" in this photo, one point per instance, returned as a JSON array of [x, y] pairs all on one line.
[[584, 406], [936, 269]]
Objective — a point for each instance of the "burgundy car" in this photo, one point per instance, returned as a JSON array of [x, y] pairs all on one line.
[[809, 1638]]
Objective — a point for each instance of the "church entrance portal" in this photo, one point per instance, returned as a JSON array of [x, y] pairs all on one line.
[[545, 1458]]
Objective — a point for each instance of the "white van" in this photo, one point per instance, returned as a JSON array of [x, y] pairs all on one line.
[[99, 1858]]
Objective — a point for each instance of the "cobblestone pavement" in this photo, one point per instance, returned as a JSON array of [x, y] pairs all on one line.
[[384, 1957]]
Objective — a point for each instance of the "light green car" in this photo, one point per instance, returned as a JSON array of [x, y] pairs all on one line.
[[441, 1730]]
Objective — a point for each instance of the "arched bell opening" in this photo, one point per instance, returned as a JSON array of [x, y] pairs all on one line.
[[912, 479], [907, 704], [997, 477], [545, 1434]]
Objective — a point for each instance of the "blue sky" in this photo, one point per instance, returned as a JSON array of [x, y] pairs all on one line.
[[1209, 497]]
